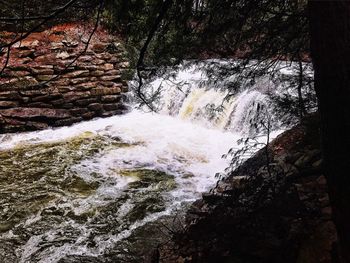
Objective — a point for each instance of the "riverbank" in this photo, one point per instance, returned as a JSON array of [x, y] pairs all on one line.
[[280, 214]]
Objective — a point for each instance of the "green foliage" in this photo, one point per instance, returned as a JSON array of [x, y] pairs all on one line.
[[252, 29], [33, 11]]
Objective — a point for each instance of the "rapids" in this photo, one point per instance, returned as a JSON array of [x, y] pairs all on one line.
[[99, 191]]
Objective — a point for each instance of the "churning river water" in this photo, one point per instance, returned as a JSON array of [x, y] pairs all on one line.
[[81, 190], [101, 190]]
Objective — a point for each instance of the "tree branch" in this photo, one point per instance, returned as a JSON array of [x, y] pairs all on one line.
[[140, 63]]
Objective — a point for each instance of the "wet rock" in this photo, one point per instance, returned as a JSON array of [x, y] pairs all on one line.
[[112, 113], [67, 122], [37, 125], [125, 89], [89, 115]]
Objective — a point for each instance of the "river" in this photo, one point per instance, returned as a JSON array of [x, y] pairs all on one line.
[[102, 190]]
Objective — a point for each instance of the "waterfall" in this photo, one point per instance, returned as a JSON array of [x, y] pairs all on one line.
[[191, 96], [87, 192]]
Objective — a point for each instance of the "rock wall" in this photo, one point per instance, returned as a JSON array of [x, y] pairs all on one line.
[[51, 80]]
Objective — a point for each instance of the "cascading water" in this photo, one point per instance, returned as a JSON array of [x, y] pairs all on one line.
[[96, 191], [193, 97]]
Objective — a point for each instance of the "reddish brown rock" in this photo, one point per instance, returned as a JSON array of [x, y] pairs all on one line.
[[27, 113], [111, 98], [47, 97], [110, 78], [108, 66], [85, 86], [32, 93], [79, 80], [78, 111], [42, 71], [46, 59], [105, 91], [97, 73], [44, 77], [72, 96], [113, 72], [8, 104], [85, 102], [88, 115], [99, 47], [41, 87], [26, 53], [77, 73], [110, 107], [107, 83], [37, 125], [39, 105]]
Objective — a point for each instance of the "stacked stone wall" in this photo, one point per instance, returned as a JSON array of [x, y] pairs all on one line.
[[51, 81]]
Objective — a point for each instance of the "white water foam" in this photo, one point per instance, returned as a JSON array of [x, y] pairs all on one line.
[[188, 145]]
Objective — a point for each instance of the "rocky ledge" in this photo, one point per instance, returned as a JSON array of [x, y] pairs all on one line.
[[280, 214], [51, 79]]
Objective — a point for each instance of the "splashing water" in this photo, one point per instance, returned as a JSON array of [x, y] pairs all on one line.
[[95, 191]]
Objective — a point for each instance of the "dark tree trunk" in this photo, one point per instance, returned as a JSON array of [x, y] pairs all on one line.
[[330, 46]]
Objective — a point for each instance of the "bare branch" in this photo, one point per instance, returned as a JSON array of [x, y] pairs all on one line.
[[140, 63]]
